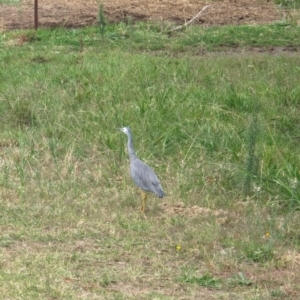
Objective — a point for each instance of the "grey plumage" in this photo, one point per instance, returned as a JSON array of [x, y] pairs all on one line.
[[142, 175]]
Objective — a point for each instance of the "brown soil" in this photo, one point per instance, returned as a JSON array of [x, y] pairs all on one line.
[[75, 13]]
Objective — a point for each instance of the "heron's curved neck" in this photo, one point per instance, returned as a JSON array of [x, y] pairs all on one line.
[[130, 147]]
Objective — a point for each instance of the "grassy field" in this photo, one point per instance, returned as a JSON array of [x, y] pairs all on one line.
[[220, 126]]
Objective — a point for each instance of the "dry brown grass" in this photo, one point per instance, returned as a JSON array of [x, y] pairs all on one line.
[[94, 244]]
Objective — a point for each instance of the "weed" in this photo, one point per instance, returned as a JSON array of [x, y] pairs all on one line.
[[240, 279], [278, 293], [205, 280], [252, 159], [258, 253], [101, 20]]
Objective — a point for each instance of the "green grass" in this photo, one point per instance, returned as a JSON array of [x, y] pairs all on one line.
[[221, 130], [150, 37], [11, 2], [288, 3]]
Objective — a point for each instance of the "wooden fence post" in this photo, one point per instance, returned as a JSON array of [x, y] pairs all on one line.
[[36, 23]]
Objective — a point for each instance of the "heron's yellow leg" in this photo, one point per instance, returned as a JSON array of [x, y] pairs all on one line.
[[144, 198]]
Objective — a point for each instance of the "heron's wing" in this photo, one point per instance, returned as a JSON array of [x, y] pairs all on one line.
[[144, 176]]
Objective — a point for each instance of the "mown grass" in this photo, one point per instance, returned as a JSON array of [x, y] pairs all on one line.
[[220, 130]]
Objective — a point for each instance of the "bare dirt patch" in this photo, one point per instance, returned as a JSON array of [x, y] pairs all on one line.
[[75, 13], [180, 208]]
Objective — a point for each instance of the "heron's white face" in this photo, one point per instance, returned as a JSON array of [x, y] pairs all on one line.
[[124, 129]]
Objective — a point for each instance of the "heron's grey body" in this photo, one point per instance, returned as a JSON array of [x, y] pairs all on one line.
[[142, 175], [145, 178]]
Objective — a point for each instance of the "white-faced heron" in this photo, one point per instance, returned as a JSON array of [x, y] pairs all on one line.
[[142, 175]]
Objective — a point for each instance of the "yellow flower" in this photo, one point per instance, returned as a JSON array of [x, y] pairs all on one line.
[[178, 247], [267, 234]]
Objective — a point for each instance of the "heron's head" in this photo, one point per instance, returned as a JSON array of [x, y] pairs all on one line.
[[126, 130]]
